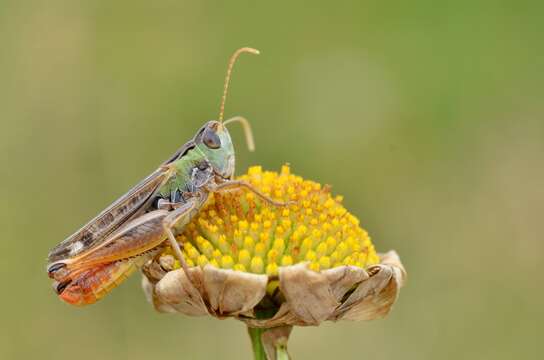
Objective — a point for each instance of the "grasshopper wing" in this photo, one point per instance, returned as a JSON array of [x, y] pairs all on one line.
[[126, 207], [122, 210]]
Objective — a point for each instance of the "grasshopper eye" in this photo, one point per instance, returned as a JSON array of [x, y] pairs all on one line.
[[211, 139]]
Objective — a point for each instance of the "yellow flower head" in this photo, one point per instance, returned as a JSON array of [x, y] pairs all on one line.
[[240, 231], [272, 266]]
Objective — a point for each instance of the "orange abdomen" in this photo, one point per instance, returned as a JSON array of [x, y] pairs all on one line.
[[91, 285]]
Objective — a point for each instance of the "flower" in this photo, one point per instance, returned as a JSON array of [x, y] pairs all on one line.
[[312, 246], [276, 266]]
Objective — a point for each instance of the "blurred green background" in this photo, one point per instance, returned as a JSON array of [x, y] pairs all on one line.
[[427, 116]]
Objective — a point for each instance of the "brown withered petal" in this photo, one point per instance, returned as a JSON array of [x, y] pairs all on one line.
[[374, 297], [308, 293], [232, 292], [309, 297], [180, 293], [341, 279]]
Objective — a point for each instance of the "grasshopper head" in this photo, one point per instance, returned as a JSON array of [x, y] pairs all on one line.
[[214, 141]]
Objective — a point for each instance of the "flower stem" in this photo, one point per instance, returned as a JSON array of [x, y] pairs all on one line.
[[256, 343]]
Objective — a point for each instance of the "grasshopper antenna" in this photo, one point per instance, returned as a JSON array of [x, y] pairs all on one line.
[[232, 61], [247, 130]]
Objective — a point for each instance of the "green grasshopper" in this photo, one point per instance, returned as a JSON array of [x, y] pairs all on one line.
[[99, 256]]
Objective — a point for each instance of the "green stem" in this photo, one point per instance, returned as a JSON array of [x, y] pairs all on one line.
[[257, 343]]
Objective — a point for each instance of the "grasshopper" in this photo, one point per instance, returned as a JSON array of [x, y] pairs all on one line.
[[99, 256]]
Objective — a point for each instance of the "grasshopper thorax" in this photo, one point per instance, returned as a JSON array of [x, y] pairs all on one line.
[[214, 142]]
